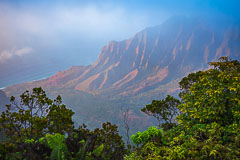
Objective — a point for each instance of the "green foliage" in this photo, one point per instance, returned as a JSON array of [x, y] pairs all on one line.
[[31, 117], [98, 150], [113, 143], [29, 141], [59, 118], [103, 143], [34, 116], [164, 111], [82, 151], [151, 134], [214, 95], [8, 151], [35, 127], [150, 151], [59, 149], [208, 125]]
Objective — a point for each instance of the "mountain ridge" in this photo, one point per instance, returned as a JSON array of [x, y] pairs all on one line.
[[146, 66], [149, 56]]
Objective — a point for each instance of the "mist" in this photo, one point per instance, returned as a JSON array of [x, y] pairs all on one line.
[[37, 39]]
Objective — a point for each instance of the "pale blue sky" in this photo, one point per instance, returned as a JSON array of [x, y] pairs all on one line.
[[56, 34]]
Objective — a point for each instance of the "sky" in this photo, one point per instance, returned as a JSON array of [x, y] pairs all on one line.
[[41, 37]]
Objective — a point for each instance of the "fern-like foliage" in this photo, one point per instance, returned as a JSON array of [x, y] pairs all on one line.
[[59, 149]]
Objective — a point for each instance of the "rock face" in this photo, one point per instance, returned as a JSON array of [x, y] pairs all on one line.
[[132, 72], [153, 57]]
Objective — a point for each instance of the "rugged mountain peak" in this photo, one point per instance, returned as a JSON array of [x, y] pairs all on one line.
[[156, 54], [153, 57]]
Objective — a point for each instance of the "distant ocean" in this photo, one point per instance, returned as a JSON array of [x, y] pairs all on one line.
[[8, 81], [33, 69]]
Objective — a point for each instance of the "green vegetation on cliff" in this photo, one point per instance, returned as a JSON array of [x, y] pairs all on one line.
[[203, 124], [209, 120]]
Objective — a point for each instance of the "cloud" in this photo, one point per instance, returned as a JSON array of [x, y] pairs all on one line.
[[54, 22], [8, 54], [94, 21], [74, 30]]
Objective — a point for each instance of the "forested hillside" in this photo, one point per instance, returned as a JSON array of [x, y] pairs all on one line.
[[203, 124], [130, 73]]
